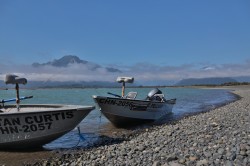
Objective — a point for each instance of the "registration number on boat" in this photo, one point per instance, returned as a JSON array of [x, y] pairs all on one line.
[[32, 123], [116, 102]]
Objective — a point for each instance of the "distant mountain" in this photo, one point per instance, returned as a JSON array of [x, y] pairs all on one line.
[[72, 59], [205, 81], [62, 62], [242, 78]]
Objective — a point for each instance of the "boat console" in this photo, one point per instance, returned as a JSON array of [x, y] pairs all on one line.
[[124, 80], [13, 79]]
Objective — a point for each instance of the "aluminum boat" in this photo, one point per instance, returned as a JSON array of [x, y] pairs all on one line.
[[25, 126], [127, 110]]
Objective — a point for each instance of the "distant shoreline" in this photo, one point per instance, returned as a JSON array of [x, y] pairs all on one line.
[[160, 86]]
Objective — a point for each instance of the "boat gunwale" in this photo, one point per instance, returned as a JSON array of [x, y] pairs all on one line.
[[139, 100], [55, 108]]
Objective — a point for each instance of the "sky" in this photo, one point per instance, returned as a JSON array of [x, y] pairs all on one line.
[[150, 40]]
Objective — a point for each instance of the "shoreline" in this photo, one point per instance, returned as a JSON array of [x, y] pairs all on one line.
[[123, 148], [216, 137]]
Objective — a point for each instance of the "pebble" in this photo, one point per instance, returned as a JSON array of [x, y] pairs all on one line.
[[218, 137]]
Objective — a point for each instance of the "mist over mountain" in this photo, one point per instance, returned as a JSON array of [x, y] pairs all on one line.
[[68, 60], [71, 71]]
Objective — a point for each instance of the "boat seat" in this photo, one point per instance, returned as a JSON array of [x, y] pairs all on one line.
[[131, 95]]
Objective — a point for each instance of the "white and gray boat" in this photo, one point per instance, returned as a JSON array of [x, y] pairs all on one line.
[[29, 126], [126, 110]]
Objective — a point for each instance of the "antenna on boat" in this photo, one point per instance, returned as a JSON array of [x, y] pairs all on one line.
[[123, 80], [13, 79]]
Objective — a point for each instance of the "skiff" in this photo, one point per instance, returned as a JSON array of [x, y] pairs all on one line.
[[27, 126], [127, 110]]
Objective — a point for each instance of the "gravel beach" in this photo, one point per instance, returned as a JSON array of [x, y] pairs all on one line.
[[218, 137]]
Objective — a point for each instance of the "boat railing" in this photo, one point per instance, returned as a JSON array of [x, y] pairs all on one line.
[[114, 94], [130, 95]]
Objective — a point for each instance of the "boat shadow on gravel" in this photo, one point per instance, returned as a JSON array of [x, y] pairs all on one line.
[[118, 135], [126, 133]]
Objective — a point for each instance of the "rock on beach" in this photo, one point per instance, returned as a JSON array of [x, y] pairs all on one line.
[[218, 137]]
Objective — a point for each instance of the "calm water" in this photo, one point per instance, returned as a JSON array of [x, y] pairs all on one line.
[[189, 101]]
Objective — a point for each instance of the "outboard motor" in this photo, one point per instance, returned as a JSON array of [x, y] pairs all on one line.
[[152, 93]]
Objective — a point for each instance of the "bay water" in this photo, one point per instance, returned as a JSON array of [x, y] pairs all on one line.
[[189, 101]]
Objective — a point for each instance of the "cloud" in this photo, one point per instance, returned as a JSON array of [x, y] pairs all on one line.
[[208, 68], [143, 72], [149, 72]]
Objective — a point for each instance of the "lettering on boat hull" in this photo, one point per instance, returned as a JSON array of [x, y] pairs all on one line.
[[31, 123]]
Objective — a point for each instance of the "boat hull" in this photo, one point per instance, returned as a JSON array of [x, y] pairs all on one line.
[[127, 112], [32, 127]]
